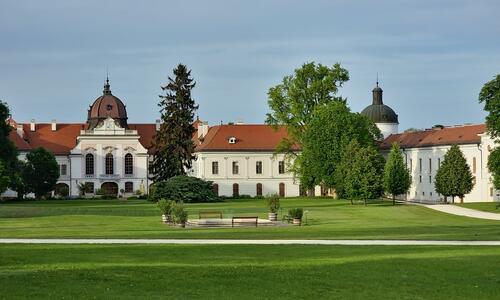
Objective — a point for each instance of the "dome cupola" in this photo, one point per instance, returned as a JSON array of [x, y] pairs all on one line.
[[107, 106], [382, 115]]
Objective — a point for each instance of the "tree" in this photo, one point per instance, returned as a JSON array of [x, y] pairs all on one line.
[[40, 173], [4, 178], [293, 101], [8, 151], [454, 177], [173, 143], [490, 96], [397, 178], [332, 127], [364, 178]]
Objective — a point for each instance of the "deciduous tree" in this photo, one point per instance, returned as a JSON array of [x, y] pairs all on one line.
[[397, 178], [40, 172], [173, 143], [8, 151], [454, 177]]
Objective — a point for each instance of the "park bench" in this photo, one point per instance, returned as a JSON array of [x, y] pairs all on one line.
[[210, 215], [242, 221]]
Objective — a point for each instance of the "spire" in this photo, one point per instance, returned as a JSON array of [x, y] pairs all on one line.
[[107, 90], [377, 94]]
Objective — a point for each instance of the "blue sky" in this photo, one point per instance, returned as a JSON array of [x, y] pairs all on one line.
[[432, 56]]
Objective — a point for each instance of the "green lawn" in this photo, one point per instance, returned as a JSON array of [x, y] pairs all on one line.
[[327, 219], [248, 272], [484, 206]]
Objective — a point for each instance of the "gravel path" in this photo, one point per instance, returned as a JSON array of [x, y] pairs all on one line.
[[462, 211], [252, 242]]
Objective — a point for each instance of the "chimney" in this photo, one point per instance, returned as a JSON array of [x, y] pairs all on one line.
[[157, 125], [20, 130], [202, 129], [54, 125], [32, 125]]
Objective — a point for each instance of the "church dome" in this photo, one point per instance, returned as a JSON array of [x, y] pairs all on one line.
[[106, 106], [378, 112]]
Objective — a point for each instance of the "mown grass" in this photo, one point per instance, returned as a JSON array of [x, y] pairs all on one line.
[[248, 272], [484, 206], [326, 219]]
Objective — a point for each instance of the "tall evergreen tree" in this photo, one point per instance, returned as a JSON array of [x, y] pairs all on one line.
[[454, 177], [397, 178], [8, 151], [173, 143]]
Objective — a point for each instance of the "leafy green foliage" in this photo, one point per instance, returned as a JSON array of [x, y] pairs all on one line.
[[184, 188], [332, 127], [4, 178], [454, 177], [63, 191], [173, 143], [293, 101], [40, 172], [296, 213], [397, 178], [273, 203], [8, 151], [490, 96], [364, 178], [179, 214], [494, 166], [165, 206]]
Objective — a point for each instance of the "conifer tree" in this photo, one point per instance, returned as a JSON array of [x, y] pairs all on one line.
[[173, 143], [397, 178], [454, 177]]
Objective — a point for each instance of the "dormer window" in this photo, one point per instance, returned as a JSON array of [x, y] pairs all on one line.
[[109, 107], [232, 140]]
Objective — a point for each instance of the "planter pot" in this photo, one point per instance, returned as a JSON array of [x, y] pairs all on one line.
[[272, 217], [164, 218], [297, 221]]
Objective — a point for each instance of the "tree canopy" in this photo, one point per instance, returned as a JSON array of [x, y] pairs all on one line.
[[331, 128], [4, 178], [454, 177], [40, 172], [8, 151], [173, 144], [397, 178], [363, 179], [293, 101]]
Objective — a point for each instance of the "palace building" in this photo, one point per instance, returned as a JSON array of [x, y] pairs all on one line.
[[109, 153]]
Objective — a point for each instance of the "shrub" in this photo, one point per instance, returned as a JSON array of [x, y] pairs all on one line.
[[179, 214], [296, 213], [165, 206], [273, 203], [132, 198], [184, 188], [63, 192]]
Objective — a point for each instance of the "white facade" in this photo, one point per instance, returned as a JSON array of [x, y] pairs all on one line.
[[387, 128]]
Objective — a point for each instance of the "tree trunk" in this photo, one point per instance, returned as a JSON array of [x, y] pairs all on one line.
[[461, 199], [393, 200], [352, 203], [452, 199], [365, 201]]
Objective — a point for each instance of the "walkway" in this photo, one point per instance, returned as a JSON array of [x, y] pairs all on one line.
[[462, 211], [252, 242]]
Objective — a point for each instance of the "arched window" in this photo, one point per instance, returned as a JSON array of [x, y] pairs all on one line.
[[236, 190], [215, 188], [129, 187], [129, 164], [259, 189], [282, 189], [109, 164], [89, 164]]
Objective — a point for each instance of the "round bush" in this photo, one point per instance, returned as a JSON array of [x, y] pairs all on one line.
[[184, 188]]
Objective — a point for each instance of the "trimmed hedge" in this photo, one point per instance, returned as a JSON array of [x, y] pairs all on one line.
[[184, 188]]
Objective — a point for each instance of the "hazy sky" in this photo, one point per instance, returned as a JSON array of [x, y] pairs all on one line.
[[432, 56]]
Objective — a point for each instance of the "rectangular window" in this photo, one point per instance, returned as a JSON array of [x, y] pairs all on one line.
[[439, 162], [420, 178], [129, 187], [63, 170], [411, 164], [150, 167], [281, 167], [430, 179], [258, 167], [474, 165], [491, 192], [215, 168], [236, 169], [420, 165], [423, 193], [430, 165], [90, 187]]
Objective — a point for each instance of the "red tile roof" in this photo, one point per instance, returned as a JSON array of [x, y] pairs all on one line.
[[59, 142], [248, 138], [467, 134], [20, 144]]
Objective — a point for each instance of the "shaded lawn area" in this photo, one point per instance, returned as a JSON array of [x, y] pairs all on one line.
[[484, 206], [326, 219], [248, 272]]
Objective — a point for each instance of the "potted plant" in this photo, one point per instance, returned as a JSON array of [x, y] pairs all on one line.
[[179, 214], [296, 215], [165, 207], [273, 205]]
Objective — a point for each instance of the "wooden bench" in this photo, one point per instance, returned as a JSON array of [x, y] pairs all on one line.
[[244, 221], [210, 215]]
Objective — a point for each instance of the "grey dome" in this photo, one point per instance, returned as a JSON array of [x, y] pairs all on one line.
[[378, 112]]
